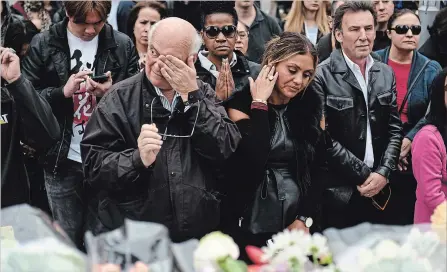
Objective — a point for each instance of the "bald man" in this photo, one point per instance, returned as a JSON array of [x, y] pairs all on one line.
[[155, 140]]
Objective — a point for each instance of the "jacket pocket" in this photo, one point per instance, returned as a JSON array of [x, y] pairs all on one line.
[[339, 103], [385, 99]]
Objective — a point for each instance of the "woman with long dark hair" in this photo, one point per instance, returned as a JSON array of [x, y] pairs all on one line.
[[429, 154]]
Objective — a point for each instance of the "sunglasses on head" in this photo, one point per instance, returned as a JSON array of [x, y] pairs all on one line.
[[213, 31], [403, 29]]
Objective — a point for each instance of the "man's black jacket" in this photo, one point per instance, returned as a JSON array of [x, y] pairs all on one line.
[[346, 113], [241, 71], [47, 66], [180, 188], [26, 117]]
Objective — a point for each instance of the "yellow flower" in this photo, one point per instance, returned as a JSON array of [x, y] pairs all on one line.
[[439, 221]]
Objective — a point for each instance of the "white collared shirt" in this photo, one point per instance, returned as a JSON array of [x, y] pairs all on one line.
[[363, 81], [209, 66]]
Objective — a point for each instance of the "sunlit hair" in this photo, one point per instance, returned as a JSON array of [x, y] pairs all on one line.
[[295, 18], [287, 45], [195, 45]]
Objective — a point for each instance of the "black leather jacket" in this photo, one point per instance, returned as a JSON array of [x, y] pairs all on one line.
[[346, 113], [47, 66], [241, 71], [180, 187]]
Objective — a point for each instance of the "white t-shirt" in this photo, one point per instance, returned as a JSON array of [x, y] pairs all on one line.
[[82, 57], [311, 33]]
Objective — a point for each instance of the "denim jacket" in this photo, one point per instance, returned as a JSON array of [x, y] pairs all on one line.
[[419, 97]]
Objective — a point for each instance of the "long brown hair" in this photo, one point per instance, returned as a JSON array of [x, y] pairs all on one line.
[[295, 18]]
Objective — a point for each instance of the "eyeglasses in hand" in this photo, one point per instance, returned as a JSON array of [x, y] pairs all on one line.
[[165, 134]]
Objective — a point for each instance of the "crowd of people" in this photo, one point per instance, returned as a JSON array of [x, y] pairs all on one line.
[[214, 115]]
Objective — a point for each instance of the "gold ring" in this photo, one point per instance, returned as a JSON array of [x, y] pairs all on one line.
[[271, 78]]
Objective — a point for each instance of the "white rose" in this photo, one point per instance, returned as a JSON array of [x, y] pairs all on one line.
[[213, 247]]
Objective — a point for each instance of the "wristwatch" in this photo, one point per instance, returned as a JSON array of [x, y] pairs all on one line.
[[308, 221]]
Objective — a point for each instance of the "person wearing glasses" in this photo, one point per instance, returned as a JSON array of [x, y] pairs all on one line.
[[143, 15], [156, 139], [62, 64], [220, 65], [414, 76], [359, 97], [242, 38]]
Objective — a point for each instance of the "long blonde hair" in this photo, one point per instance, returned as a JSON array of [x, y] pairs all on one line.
[[295, 18]]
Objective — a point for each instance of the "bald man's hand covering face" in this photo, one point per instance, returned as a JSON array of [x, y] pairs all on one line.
[[181, 76]]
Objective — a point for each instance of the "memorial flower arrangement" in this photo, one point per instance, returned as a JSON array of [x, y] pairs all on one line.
[[290, 250]]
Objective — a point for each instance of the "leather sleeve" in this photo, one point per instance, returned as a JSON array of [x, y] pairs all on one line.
[[340, 158], [133, 67], [33, 68], [38, 126], [107, 162], [390, 157], [215, 137]]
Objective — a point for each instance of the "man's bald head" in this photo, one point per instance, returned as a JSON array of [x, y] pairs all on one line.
[[178, 33], [174, 37]]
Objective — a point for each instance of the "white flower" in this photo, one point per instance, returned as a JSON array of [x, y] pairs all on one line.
[[319, 245], [213, 247], [286, 239], [291, 254]]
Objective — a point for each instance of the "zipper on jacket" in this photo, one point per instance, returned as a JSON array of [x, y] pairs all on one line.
[[240, 221], [60, 147]]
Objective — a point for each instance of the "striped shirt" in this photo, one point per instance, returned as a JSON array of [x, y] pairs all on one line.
[[169, 106]]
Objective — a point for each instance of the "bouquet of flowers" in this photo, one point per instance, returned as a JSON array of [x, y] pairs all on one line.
[[293, 251], [290, 250]]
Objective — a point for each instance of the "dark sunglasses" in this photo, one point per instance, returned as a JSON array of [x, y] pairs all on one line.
[[213, 31], [403, 29]]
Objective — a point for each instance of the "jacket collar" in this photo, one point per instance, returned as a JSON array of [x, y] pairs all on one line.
[[338, 63], [58, 37], [241, 66], [259, 17]]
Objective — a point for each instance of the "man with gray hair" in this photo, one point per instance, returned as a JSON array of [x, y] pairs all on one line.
[[155, 139]]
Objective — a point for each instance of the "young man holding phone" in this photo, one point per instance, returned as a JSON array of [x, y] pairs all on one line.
[[73, 65]]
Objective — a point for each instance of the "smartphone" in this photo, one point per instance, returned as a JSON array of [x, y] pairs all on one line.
[[99, 78]]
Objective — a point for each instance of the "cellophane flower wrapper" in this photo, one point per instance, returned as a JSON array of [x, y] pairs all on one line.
[[30, 241], [368, 247], [140, 241]]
